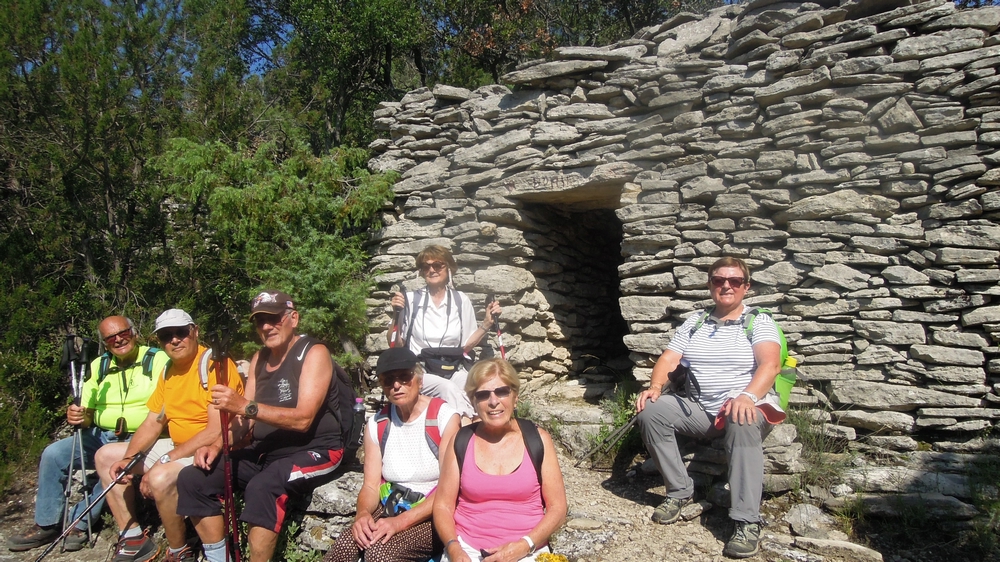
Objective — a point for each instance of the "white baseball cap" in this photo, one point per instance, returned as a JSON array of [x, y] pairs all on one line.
[[173, 318]]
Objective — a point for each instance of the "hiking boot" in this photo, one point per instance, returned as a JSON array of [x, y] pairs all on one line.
[[670, 510], [135, 549], [186, 554], [745, 541], [34, 537], [76, 540]]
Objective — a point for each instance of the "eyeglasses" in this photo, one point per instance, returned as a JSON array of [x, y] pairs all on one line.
[[734, 282], [126, 333], [275, 320], [389, 380], [167, 335], [435, 265], [484, 395]]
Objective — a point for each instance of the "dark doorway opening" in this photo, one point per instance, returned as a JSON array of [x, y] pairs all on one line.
[[578, 254]]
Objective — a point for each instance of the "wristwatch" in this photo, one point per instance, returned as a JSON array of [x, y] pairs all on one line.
[[164, 459], [250, 411]]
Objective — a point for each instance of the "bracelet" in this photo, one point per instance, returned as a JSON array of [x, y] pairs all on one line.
[[447, 544], [656, 387], [750, 395], [531, 543]]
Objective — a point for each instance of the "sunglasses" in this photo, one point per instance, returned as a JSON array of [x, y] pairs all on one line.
[[167, 335], [275, 320], [500, 391], [435, 265], [719, 281], [126, 333], [389, 380]]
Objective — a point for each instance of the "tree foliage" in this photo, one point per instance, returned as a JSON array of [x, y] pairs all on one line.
[[273, 215]]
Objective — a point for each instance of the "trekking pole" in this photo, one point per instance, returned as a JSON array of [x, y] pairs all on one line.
[[396, 311], [72, 357], [67, 529], [609, 441], [503, 353], [229, 509]]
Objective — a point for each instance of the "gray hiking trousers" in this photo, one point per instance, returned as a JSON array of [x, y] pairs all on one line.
[[660, 421]]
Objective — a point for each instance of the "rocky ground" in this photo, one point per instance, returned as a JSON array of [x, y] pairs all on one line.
[[609, 519]]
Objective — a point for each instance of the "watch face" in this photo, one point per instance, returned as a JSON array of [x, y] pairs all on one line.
[[251, 410]]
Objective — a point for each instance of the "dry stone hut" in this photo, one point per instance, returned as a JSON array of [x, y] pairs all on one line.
[[848, 150]]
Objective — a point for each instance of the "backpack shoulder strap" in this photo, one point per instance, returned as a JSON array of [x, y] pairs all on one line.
[[105, 366], [458, 306], [750, 315], [413, 313], [533, 442], [431, 429], [203, 365], [462, 443], [701, 320], [147, 361], [383, 422]]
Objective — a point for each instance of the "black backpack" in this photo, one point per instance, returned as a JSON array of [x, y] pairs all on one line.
[[341, 400]]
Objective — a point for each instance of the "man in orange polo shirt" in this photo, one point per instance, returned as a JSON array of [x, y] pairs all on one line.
[[182, 405]]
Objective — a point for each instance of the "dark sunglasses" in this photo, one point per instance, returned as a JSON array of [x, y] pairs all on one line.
[[719, 281], [389, 380], [126, 333], [275, 320], [435, 265], [167, 335], [484, 395]]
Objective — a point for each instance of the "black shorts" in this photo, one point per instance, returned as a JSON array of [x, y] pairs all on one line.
[[267, 484]]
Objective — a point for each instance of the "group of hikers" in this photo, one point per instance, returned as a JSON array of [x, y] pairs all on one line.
[[450, 473]]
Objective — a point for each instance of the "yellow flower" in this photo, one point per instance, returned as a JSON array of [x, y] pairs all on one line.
[[549, 557]]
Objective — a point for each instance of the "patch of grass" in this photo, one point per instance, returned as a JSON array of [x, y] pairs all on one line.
[[621, 407], [822, 468], [523, 409], [851, 516], [290, 552], [984, 480]]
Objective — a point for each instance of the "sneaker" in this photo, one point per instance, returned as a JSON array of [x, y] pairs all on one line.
[[135, 549], [186, 554], [34, 537], [76, 540], [745, 541], [670, 510]]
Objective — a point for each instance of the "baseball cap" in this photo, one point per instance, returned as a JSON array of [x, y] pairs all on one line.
[[394, 359], [172, 318], [271, 302]]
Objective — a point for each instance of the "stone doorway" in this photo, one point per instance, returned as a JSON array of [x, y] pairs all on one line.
[[577, 254]]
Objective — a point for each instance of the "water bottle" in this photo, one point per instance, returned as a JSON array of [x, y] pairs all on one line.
[[786, 380], [357, 429]]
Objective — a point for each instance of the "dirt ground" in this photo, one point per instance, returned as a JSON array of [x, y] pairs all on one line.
[[609, 520]]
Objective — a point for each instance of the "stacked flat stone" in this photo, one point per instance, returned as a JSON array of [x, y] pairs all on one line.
[[848, 152]]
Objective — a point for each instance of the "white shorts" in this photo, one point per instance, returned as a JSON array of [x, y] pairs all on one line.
[[160, 448], [477, 557]]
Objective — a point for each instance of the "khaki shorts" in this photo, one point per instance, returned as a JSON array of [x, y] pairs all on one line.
[[160, 448]]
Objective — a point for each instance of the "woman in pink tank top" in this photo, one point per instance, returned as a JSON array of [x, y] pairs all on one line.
[[496, 506]]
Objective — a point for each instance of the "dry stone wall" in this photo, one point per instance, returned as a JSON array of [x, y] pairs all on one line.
[[848, 151]]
